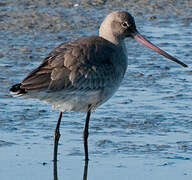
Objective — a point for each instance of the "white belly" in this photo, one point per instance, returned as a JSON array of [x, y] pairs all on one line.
[[75, 100]]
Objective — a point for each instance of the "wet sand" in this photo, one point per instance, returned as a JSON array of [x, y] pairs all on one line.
[[34, 15]]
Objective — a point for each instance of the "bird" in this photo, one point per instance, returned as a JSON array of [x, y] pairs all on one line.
[[83, 74]]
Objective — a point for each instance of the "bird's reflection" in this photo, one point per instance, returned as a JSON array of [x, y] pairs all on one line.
[[85, 170], [55, 175]]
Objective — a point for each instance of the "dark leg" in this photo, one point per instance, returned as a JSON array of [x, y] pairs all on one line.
[[85, 170], [57, 136], [86, 134], [55, 170]]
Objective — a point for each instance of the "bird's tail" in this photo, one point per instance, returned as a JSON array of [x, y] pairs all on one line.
[[17, 90]]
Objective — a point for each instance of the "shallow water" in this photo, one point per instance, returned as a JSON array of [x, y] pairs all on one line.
[[143, 132]]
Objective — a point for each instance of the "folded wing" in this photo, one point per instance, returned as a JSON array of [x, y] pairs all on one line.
[[82, 64]]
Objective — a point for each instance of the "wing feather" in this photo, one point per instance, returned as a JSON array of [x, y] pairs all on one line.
[[81, 64]]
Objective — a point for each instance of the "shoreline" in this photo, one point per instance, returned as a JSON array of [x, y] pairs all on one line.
[[59, 15]]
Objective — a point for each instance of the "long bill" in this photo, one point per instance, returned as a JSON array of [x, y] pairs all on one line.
[[138, 37]]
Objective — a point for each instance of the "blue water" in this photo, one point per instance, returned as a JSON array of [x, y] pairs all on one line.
[[143, 132]]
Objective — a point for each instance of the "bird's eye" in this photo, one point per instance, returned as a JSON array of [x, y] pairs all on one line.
[[125, 25]]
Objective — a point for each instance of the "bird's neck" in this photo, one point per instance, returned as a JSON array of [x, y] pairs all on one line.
[[111, 38]]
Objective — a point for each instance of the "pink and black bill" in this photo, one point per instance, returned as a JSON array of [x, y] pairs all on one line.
[[138, 37]]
